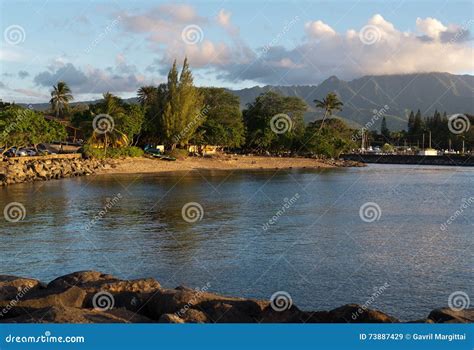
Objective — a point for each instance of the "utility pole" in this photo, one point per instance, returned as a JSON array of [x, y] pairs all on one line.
[[430, 141], [423, 145]]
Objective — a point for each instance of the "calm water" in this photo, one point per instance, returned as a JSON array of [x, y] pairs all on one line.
[[318, 250]]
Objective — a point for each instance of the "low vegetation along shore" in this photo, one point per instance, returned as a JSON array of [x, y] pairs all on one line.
[[94, 297]]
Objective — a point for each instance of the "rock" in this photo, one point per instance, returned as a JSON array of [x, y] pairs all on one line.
[[195, 316], [61, 314], [15, 171], [351, 313], [170, 318], [12, 286], [41, 299], [80, 279], [447, 315], [213, 307], [131, 295]]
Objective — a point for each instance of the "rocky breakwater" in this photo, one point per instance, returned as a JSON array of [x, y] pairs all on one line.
[[94, 297], [27, 169]]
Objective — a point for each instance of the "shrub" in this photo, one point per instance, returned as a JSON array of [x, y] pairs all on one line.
[[178, 153], [112, 152]]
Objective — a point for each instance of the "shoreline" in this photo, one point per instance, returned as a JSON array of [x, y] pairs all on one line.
[[145, 165], [95, 297], [44, 168]]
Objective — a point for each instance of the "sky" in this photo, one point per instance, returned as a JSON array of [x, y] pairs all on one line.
[[118, 46]]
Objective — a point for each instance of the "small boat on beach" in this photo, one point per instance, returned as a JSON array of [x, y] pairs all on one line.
[[156, 152]]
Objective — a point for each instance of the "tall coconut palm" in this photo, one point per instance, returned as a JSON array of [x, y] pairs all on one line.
[[110, 111], [330, 104], [147, 94], [60, 97], [111, 105]]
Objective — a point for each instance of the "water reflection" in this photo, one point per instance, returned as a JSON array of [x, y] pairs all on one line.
[[318, 250]]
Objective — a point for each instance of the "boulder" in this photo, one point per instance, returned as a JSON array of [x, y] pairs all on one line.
[[12, 287], [448, 315], [80, 279], [354, 313], [62, 314], [213, 307], [41, 299], [129, 294], [170, 318]]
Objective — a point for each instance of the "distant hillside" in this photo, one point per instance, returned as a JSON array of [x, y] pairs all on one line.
[[427, 92], [401, 93]]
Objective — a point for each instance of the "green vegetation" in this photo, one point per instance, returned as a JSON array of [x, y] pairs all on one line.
[[128, 151], [223, 123], [271, 112], [330, 139], [419, 130], [330, 104], [21, 127], [60, 97], [178, 114]]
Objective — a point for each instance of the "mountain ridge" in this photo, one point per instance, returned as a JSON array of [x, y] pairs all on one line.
[[363, 97]]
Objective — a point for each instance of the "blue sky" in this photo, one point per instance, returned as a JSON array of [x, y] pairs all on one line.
[[117, 46]]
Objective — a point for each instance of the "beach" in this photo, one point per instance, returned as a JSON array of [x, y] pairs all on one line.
[[221, 162]]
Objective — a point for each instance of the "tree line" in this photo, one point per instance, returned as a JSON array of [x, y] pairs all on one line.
[[446, 132], [177, 114]]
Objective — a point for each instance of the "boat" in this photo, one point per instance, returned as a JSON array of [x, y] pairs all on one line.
[[156, 152]]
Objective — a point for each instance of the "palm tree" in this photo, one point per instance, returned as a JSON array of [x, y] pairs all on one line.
[[111, 105], [60, 97], [330, 104], [146, 94]]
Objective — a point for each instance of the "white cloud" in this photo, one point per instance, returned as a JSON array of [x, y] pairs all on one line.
[[431, 27], [376, 48], [223, 18], [90, 80], [319, 29]]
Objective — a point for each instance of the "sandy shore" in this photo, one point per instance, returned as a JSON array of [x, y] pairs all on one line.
[[225, 162]]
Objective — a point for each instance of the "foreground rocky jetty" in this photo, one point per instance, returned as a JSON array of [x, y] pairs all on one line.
[[94, 297], [27, 169]]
